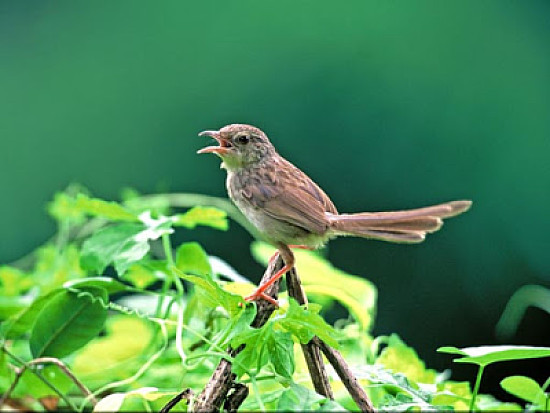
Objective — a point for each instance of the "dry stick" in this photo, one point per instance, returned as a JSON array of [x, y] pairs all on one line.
[[313, 357], [221, 382], [187, 394], [346, 375], [334, 357], [236, 398]]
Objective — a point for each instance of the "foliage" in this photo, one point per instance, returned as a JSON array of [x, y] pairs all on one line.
[[136, 320]]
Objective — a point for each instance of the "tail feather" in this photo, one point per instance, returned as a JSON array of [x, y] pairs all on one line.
[[408, 226]]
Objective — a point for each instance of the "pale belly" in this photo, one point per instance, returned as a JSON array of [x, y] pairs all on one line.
[[277, 231]]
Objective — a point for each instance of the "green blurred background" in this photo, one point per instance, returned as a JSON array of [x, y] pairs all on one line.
[[386, 105]]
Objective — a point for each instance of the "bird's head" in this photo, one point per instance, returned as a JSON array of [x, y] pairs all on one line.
[[239, 145]]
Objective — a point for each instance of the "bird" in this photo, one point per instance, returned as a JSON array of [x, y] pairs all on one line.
[[290, 210]]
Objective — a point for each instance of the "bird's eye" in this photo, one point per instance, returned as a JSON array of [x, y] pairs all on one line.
[[243, 139]]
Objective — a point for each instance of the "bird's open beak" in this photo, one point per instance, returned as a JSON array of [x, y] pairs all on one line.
[[222, 149]]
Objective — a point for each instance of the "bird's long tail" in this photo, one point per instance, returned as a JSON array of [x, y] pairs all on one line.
[[408, 226]]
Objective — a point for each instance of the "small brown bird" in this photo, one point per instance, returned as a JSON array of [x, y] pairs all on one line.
[[291, 211]]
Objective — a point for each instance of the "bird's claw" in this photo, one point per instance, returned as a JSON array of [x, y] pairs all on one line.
[[261, 295]]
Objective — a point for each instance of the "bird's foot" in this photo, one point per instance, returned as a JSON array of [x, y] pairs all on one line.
[[260, 294]]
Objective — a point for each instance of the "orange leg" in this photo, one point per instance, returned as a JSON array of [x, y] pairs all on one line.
[[288, 258], [301, 247]]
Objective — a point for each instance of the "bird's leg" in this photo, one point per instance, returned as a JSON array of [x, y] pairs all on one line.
[[288, 258], [301, 247]]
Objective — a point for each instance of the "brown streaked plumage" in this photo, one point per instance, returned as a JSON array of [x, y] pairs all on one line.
[[289, 209]]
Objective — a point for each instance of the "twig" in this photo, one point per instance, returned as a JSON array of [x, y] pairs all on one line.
[[43, 360], [315, 361], [313, 357], [346, 375], [236, 398], [18, 373], [68, 373], [186, 394]]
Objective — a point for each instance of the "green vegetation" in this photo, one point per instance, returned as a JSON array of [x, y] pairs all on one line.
[[110, 313]]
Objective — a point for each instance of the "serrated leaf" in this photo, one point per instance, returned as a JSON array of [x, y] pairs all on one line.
[[485, 355], [192, 259], [65, 206], [280, 348], [67, 322], [320, 278], [106, 209], [525, 388], [241, 323], [306, 323], [254, 355], [400, 358], [211, 294], [207, 216]]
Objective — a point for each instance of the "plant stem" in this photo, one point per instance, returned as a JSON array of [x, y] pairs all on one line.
[[257, 393], [25, 366], [476, 388], [167, 245], [167, 280]]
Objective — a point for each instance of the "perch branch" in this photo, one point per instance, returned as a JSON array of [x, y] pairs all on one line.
[[346, 375], [313, 357], [315, 361]]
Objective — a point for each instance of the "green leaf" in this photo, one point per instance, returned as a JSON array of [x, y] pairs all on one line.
[[143, 275], [207, 216], [254, 355], [110, 285], [123, 244], [65, 206], [525, 388], [67, 322], [320, 278], [192, 259], [101, 208], [11, 306], [306, 323], [24, 320], [299, 398], [211, 294], [241, 324], [280, 348], [400, 358], [485, 355], [399, 390], [117, 244]]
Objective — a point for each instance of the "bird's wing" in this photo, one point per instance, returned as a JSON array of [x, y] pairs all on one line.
[[287, 194]]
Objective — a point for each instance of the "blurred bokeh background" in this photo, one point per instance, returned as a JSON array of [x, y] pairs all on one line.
[[386, 105]]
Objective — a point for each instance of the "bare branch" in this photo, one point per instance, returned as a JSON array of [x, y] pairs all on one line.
[[346, 375], [313, 357]]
